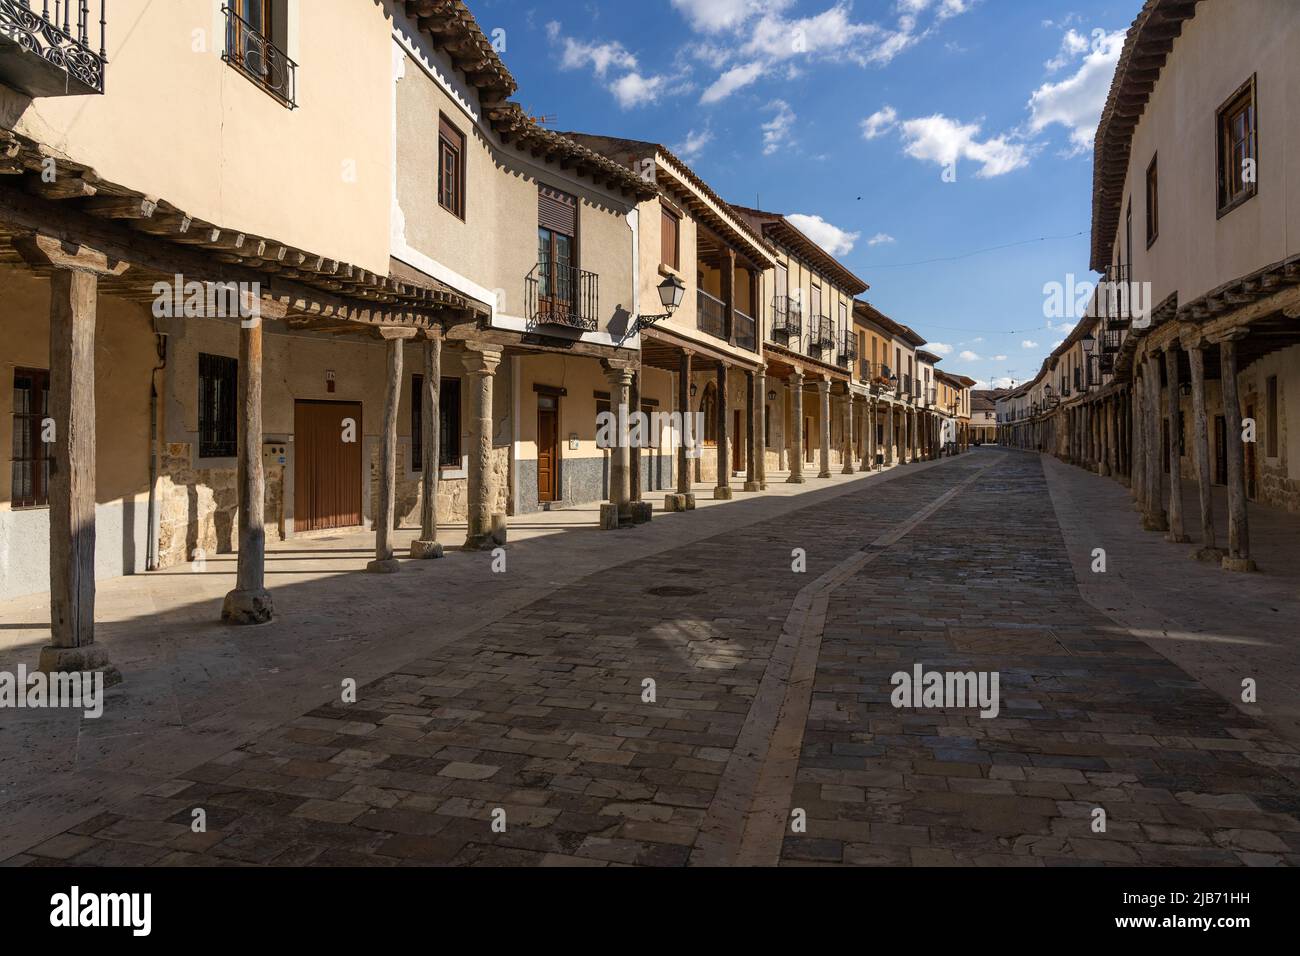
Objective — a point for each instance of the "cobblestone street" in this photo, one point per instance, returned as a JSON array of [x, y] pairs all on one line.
[[679, 707]]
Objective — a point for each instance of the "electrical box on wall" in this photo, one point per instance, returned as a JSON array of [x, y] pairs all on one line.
[[275, 454]]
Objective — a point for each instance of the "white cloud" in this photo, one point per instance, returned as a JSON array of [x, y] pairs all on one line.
[[983, 385], [834, 240], [1063, 326], [1058, 343], [999, 358], [734, 79], [691, 147], [716, 16], [577, 54], [879, 123], [1076, 102], [952, 8], [941, 140], [1073, 44], [776, 131], [881, 238], [637, 90], [1027, 344], [938, 348], [969, 356]]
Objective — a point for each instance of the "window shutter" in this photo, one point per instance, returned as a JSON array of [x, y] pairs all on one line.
[[557, 211], [668, 233]]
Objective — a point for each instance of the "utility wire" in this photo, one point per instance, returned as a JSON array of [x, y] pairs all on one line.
[[977, 252]]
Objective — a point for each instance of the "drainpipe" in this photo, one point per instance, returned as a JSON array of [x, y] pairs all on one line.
[[151, 550]]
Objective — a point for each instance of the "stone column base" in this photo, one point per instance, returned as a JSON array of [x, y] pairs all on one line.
[[609, 517], [426, 549], [823, 474], [1214, 555], [71, 660], [384, 566], [676, 502], [848, 469], [1155, 523], [753, 486], [642, 512], [1178, 538], [488, 540], [796, 480], [247, 607], [722, 493], [1244, 565]]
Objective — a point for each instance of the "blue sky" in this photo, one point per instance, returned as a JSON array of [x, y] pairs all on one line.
[[901, 131]]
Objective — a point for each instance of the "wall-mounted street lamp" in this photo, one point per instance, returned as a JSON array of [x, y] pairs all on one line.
[[694, 388], [771, 395], [671, 291]]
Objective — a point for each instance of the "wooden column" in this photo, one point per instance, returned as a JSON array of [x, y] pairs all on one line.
[[751, 411], [1155, 518], [486, 528], [1172, 370], [1137, 432], [729, 298], [1238, 556], [760, 428], [684, 458], [386, 519], [848, 468], [889, 433], [824, 429], [74, 285], [635, 453], [1209, 550], [795, 442], [723, 489], [430, 397]]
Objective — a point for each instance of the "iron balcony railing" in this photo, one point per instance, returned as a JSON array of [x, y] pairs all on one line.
[[907, 387], [46, 47], [562, 295], [848, 349], [260, 60], [746, 331], [821, 333], [1114, 297], [710, 315], [931, 395], [1111, 339], [787, 317]]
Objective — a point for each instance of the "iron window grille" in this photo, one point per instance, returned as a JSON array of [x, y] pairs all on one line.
[[250, 50], [218, 406]]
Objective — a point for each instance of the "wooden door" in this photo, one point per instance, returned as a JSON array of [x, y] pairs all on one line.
[[327, 469], [738, 439], [548, 449], [1220, 450]]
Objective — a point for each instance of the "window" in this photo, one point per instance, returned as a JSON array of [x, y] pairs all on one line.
[[1238, 146], [1128, 238], [31, 464], [1270, 448], [670, 239], [449, 422], [557, 231], [218, 405], [451, 168], [257, 36], [1153, 202]]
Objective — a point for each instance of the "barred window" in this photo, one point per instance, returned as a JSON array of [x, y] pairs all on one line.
[[31, 463], [218, 406]]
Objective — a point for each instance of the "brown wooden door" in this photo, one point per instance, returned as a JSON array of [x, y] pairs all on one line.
[[548, 454], [327, 469], [737, 444], [1250, 458]]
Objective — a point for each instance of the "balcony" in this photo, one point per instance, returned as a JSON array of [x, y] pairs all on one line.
[[1114, 298], [710, 315], [51, 55], [931, 396], [787, 318], [746, 331], [260, 60], [821, 333], [1111, 339], [848, 349], [563, 296]]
